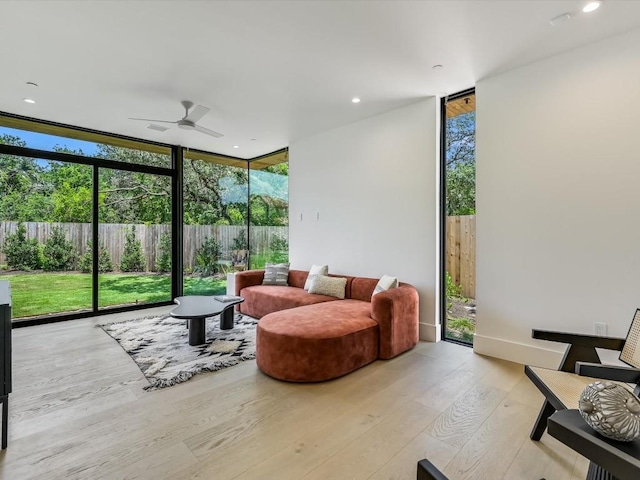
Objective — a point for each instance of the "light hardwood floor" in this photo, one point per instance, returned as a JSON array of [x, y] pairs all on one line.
[[78, 411]]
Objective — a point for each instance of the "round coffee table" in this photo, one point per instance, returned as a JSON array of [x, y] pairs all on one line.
[[196, 308]]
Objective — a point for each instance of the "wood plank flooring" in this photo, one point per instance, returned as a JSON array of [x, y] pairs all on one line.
[[78, 411]]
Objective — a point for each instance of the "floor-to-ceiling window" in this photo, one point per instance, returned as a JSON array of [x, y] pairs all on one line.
[[134, 238], [45, 224], [92, 222], [269, 209], [85, 223], [215, 231], [459, 217]]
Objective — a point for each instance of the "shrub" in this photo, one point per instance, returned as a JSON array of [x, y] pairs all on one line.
[[240, 242], [163, 262], [58, 252], [279, 249], [104, 260], [132, 258], [207, 257], [279, 243], [453, 290], [22, 254]]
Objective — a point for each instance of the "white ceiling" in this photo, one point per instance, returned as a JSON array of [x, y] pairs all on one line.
[[273, 71]]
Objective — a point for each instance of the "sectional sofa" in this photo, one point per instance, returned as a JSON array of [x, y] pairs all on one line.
[[305, 337]]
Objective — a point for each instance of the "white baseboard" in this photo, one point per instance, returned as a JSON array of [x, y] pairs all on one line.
[[517, 352], [429, 332]]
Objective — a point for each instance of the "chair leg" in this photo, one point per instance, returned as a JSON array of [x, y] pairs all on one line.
[[5, 419], [428, 471], [541, 423]]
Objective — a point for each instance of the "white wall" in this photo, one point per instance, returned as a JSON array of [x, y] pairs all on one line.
[[373, 185], [558, 199]]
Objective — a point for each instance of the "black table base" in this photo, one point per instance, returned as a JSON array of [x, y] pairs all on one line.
[[197, 330]]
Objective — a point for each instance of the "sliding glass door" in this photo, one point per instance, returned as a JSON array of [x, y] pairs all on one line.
[[134, 238], [45, 227]]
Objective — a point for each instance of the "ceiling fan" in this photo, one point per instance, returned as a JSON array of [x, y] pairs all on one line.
[[188, 122]]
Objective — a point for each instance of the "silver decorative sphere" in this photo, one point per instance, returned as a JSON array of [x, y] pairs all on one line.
[[611, 410]]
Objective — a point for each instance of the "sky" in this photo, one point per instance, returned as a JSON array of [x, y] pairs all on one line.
[[46, 142]]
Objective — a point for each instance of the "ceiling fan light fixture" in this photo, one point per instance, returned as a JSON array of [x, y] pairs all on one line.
[[188, 122], [592, 6]]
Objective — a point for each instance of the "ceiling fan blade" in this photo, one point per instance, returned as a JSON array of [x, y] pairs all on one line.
[[197, 113], [208, 132], [151, 120]]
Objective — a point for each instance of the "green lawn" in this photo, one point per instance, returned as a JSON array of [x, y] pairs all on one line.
[[45, 293]]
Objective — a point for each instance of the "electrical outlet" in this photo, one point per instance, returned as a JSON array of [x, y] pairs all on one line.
[[600, 329]]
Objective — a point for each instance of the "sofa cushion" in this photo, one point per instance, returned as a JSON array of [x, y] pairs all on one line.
[[276, 274], [362, 288], [317, 342], [332, 286], [260, 300]]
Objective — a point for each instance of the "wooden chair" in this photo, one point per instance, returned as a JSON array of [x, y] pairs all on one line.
[[428, 471], [240, 260], [562, 388]]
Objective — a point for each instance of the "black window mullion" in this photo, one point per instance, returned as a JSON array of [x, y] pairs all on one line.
[[177, 218], [95, 238]]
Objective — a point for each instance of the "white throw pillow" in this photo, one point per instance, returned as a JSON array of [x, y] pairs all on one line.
[[331, 286], [316, 270], [385, 283]]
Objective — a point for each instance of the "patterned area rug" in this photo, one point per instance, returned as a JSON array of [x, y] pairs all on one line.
[[160, 347]]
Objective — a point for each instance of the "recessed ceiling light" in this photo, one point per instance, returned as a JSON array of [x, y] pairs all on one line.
[[236, 146], [29, 100], [355, 100], [437, 67], [32, 84], [591, 6]]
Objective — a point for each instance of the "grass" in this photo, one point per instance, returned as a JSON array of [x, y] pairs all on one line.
[[258, 261], [45, 293], [460, 329]]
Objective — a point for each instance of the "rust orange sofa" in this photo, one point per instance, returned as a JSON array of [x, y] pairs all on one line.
[[304, 337]]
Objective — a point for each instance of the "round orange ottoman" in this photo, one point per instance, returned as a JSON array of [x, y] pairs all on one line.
[[317, 342]]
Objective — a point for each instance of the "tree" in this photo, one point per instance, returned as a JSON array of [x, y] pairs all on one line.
[[207, 256], [58, 252], [461, 164], [163, 262], [132, 257], [104, 260], [25, 193], [22, 254]]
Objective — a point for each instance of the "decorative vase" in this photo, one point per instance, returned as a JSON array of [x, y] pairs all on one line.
[[611, 410]]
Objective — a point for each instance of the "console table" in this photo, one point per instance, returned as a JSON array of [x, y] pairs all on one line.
[[610, 459]]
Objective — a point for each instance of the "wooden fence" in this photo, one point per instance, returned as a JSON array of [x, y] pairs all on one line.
[[461, 252], [112, 237]]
